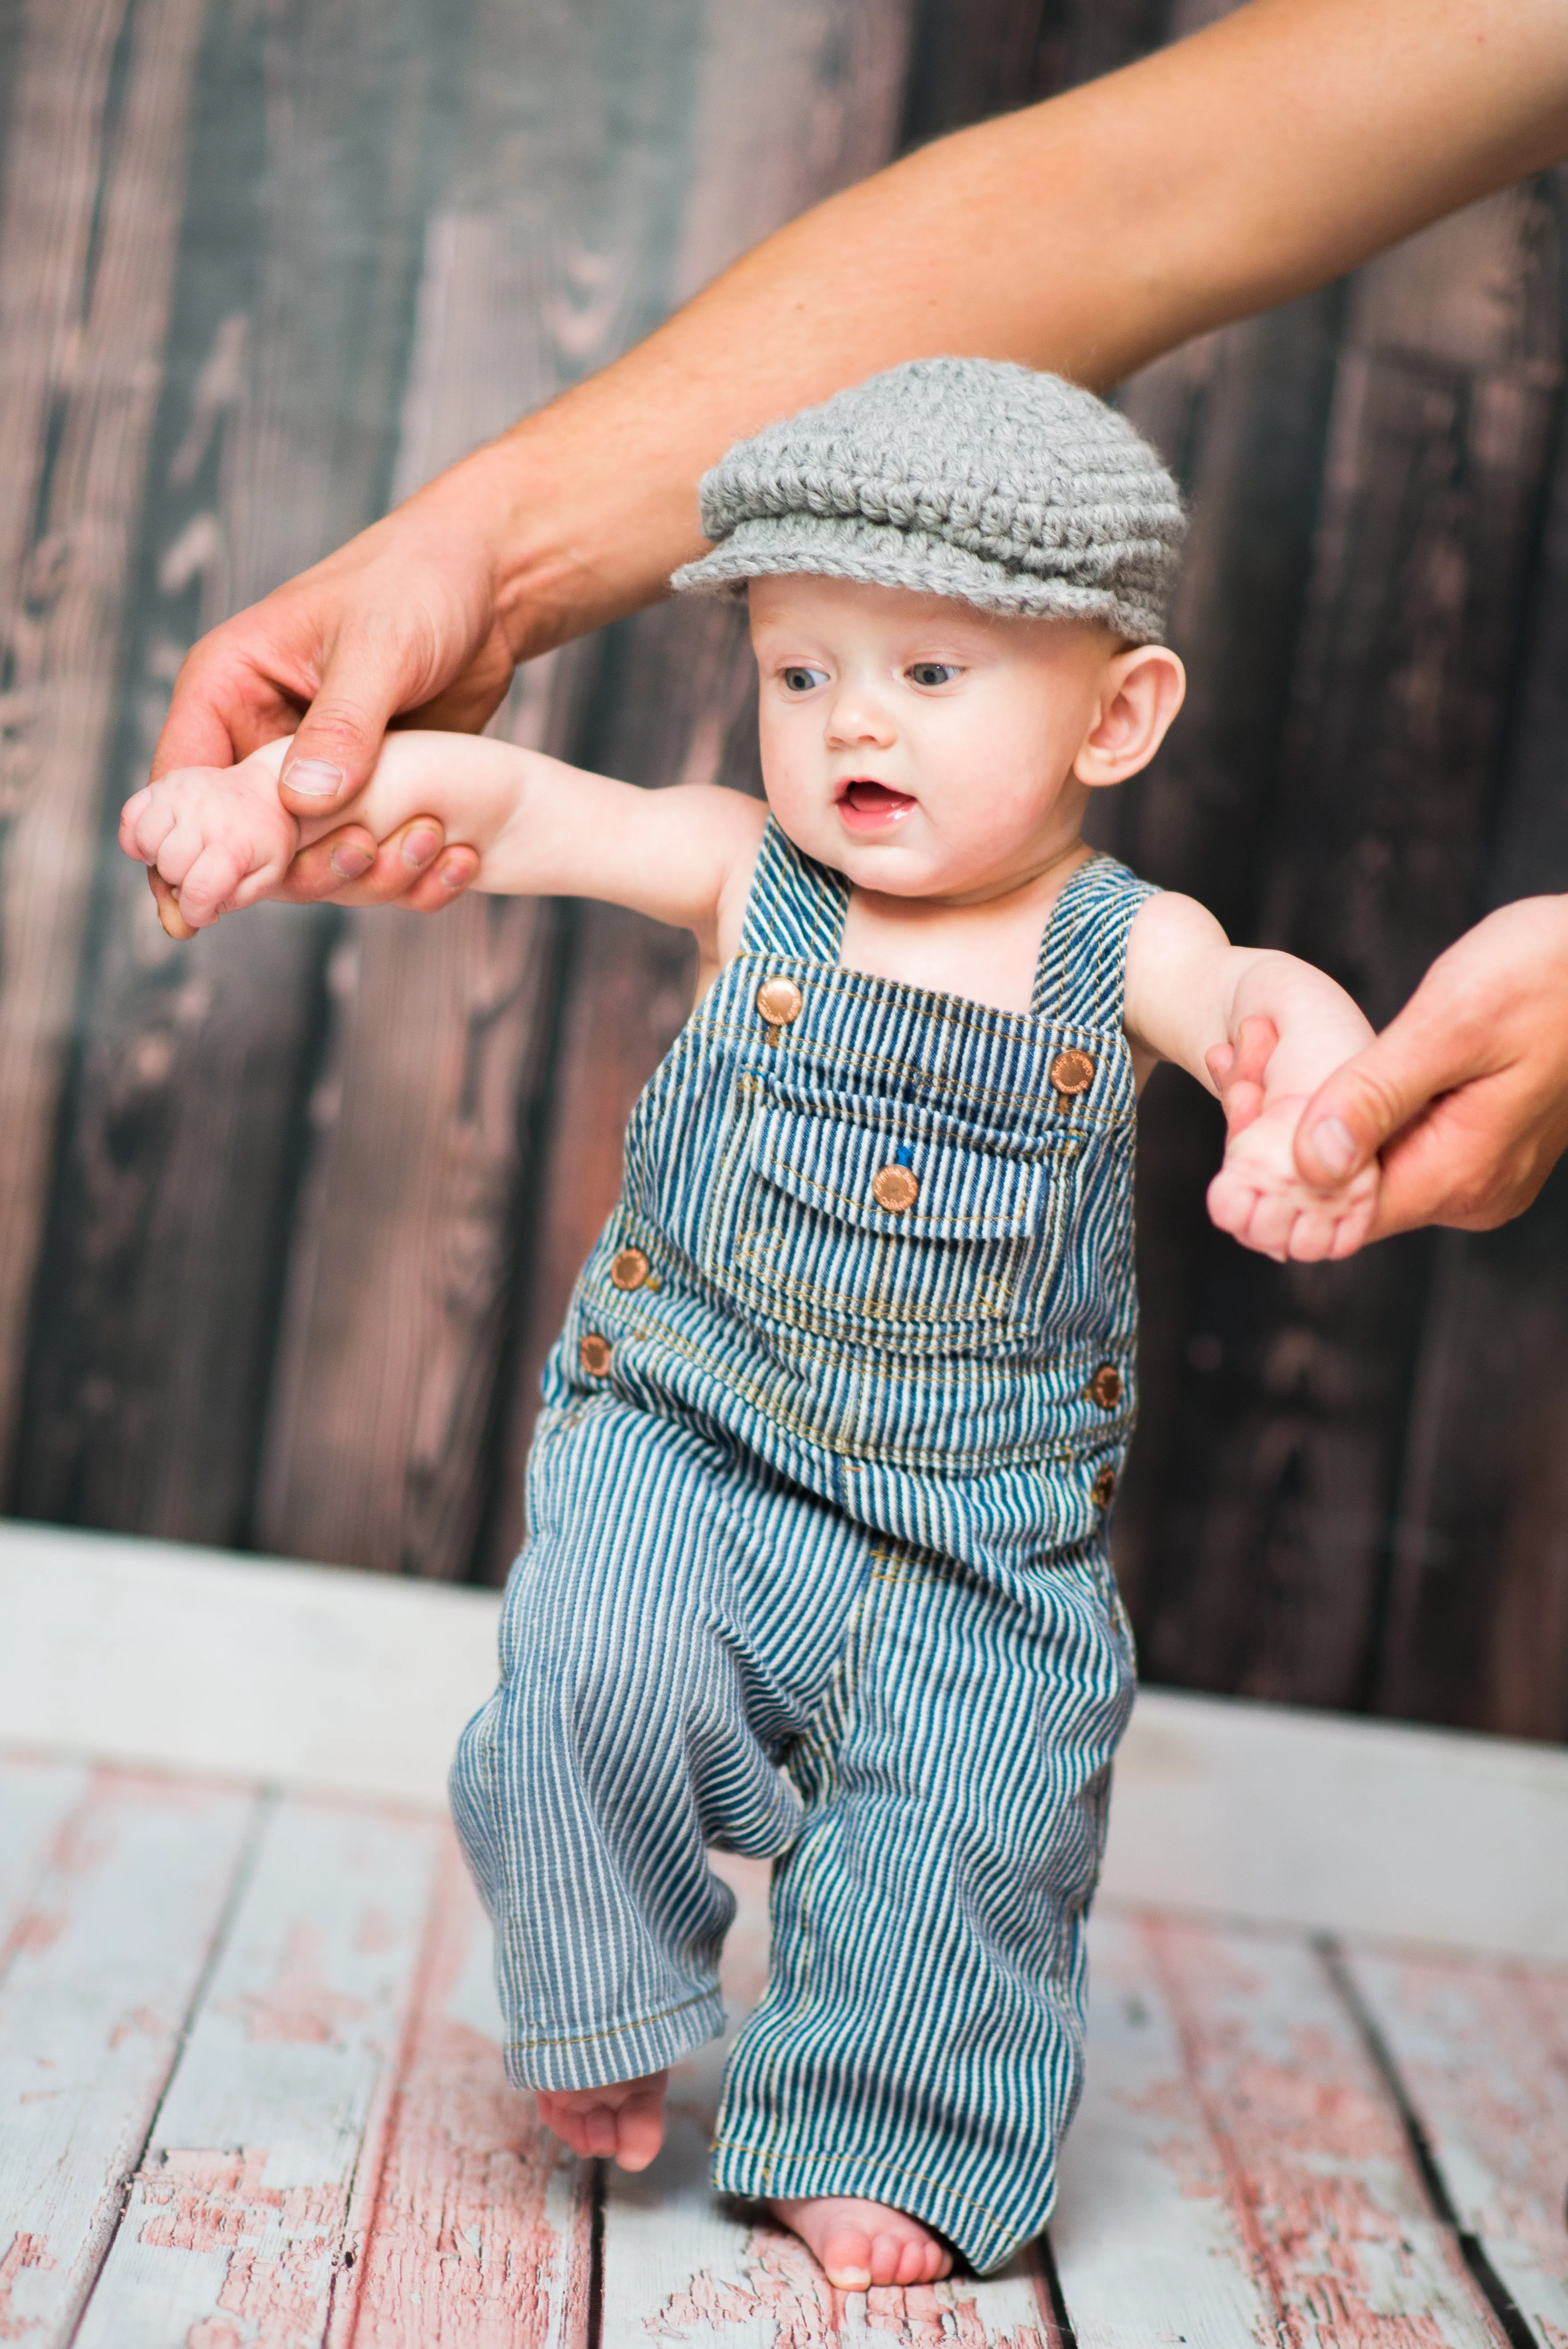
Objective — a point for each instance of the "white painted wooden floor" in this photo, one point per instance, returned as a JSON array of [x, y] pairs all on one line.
[[251, 2089]]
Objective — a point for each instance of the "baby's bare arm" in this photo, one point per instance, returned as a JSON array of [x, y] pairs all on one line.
[[544, 829], [221, 839], [1195, 999]]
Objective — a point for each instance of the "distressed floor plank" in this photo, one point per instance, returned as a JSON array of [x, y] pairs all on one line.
[[1301, 2160], [99, 1971], [479, 2237], [1147, 2224], [36, 1795], [680, 2265], [1482, 2055], [267, 2144]]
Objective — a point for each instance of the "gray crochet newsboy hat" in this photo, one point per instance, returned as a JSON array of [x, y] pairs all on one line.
[[970, 478]]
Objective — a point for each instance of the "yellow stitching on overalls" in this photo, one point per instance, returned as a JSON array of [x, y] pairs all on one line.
[[1025, 1454], [831, 1301], [617, 2029], [891, 1231]]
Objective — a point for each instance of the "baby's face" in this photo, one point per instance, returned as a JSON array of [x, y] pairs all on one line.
[[924, 747]]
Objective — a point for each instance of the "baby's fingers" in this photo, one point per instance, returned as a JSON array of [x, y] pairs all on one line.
[[1232, 1202], [146, 822], [169, 914], [209, 883]]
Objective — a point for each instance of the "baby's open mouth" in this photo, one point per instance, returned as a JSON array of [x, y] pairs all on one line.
[[863, 798]]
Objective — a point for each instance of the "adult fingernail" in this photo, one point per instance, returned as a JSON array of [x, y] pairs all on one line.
[[1334, 1145], [314, 778], [348, 863], [420, 847], [454, 873]]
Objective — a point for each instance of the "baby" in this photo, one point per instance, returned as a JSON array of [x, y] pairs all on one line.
[[817, 1554]]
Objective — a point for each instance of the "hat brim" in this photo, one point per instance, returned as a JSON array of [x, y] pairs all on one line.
[[879, 555]]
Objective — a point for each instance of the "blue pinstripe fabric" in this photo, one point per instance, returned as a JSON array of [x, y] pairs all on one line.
[[817, 1567]]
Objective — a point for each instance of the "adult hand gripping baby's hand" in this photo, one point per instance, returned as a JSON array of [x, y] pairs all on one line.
[[1259, 1196], [402, 620], [1466, 1092], [213, 839]]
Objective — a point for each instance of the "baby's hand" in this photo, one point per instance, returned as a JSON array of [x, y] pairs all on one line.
[[1260, 1199], [219, 836]]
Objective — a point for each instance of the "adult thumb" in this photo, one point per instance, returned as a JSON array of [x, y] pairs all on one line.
[[1364, 1103], [338, 739]]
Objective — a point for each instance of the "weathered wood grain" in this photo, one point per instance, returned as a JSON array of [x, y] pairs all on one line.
[[1147, 2223], [1284, 1458], [98, 1974], [679, 2264], [1243, 417], [266, 2149], [795, 101], [541, 262], [966, 64], [88, 234], [36, 1794], [1303, 2144], [1481, 2054], [480, 2232], [1477, 1630], [181, 1146]]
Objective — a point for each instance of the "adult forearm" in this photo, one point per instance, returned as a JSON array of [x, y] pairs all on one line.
[[1229, 171]]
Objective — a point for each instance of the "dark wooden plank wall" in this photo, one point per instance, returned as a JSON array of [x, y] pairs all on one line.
[[287, 1219]]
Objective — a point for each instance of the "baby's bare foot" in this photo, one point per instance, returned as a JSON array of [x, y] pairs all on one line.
[[859, 2244], [625, 2121]]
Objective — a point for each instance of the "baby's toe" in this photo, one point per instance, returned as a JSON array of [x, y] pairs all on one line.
[[921, 2260], [848, 2260], [639, 2132]]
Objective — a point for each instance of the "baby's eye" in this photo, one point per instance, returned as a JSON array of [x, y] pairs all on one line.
[[932, 672], [800, 679]]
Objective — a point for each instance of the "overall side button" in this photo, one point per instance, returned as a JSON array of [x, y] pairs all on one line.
[[778, 1006], [1071, 1073]]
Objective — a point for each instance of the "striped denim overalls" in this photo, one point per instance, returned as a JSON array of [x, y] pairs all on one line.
[[817, 1567]]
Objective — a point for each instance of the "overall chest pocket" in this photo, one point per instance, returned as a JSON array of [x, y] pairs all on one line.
[[889, 1227]]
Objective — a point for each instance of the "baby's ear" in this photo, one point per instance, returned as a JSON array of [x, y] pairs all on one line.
[[1141, 692]]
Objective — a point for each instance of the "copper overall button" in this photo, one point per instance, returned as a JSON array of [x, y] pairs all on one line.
[[630, 1269], [593, 1353], [1104, 1488], [1072, 1072], [1105, 1387], [779, 1002], [896, 1188]]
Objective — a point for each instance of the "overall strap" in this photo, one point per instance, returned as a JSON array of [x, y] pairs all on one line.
[[797, 907], [1083, 956]]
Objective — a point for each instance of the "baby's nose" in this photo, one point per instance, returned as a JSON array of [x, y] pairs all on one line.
[[859, 717]]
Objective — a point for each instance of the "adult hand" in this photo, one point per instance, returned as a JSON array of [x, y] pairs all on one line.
[[403, 620], [1466, 1092]]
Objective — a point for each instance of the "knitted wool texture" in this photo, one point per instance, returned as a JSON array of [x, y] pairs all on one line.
[[969, 478]]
